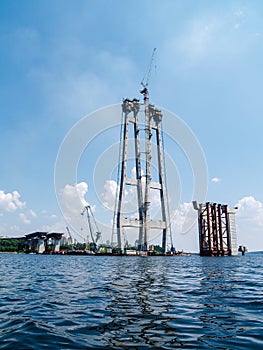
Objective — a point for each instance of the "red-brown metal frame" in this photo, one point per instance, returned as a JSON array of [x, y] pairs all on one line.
[[214, 231]]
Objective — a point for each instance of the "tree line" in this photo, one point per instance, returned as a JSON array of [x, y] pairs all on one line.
[[12, 245]]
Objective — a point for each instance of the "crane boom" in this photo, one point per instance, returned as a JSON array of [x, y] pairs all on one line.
[[146, 78], [90, 216]]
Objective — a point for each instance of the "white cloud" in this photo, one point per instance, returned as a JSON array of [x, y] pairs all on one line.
[[109, 195], [10, 201], [72, 202], [249, 219], [32, 213], [17, 201], [184, 228], [130, 203], [216, 179], [251, 211], [130, 195], [24, 218], [75, 194], [178, 216]]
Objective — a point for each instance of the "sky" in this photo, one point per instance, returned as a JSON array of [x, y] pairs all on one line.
[[66, 67]]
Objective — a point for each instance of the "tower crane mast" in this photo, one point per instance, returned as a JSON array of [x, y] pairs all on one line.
[[70, 239]]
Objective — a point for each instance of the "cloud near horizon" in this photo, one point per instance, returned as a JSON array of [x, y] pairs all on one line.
[[72, 203], [249, 222], [249, 217], [11, 201]]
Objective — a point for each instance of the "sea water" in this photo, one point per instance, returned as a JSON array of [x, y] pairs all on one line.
[[99, 302]]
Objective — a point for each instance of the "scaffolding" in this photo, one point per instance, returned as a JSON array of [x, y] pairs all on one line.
[[217, 229]]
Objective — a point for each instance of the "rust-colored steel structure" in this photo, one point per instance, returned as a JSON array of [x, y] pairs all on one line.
[[217, 234]]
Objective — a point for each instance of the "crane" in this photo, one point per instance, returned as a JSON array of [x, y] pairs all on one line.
[[146, 78], [90, 217], [70, 239]]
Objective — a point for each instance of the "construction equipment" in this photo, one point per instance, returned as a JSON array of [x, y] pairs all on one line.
[[70, 239], [92, 224], [146, 78]]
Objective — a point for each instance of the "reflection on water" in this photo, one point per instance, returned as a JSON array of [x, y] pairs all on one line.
[[219, 319], [140, 306], [71, 302]]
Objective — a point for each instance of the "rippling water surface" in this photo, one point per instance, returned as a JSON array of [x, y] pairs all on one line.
[[87, 302]]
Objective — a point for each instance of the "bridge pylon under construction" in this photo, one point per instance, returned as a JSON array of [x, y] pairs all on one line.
[[217, 229], [142, 131]]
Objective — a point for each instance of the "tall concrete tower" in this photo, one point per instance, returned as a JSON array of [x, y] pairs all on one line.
[[142, 132]]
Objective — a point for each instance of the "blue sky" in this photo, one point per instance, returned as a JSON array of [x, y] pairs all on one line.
[[62, 60]]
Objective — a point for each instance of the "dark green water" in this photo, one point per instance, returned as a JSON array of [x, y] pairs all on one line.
[[74, 302]]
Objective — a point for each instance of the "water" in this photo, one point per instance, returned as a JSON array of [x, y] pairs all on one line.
[[87, 302]]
